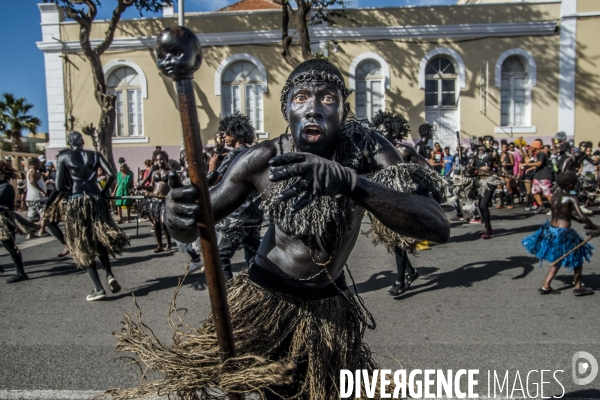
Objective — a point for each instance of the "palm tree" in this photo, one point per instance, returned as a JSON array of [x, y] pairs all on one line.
[[14, 118]]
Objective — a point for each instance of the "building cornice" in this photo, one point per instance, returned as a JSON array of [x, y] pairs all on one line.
[[340, 34]]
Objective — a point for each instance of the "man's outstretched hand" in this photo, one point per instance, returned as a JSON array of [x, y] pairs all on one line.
[[318, 177], [182, 213], [592, 232]]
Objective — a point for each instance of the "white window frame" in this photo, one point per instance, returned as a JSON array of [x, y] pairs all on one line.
[[531, 71], [218, 84], [459, 64], [369, 91], [108, 69], [243, 96], [439, 79], [125, 90], [511, 97], [385, 69]]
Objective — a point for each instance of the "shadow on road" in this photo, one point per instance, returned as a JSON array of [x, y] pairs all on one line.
[[384, 279], [197, 281], [469, 274], [566, 277], [470, 236]]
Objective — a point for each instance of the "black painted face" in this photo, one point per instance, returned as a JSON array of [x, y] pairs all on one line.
[[179, 53], [161, 161], [315, 112]]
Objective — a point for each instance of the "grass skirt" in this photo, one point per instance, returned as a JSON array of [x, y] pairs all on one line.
[[550, 243], [55, 211], [152, 207], [279, 340], [12, 223], [185, 247], [487, 182], [463, 192], [90, 230]]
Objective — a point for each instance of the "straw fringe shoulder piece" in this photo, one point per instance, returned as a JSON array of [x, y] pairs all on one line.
[[404, 178]]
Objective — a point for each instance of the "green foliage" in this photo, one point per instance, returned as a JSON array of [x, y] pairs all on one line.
[[328, 11], [394, 126], [15, 118]]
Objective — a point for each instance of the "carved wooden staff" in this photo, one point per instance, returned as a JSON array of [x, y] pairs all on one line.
[[179, 55]]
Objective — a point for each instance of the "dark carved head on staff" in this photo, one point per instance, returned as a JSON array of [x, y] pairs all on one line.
[[179, 52]]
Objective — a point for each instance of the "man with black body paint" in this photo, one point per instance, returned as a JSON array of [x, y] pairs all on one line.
[[292, 309], [315, 113], [240, 228], [90, 231], [7, 224]]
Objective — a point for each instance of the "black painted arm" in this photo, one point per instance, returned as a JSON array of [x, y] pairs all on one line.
[[238, 181], [61, 176], [182, 210], [409, 154], [412, 215]]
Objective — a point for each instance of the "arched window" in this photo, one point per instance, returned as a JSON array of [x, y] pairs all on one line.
[[241, 91], [514, 92], [126, 85], [369, 89], [440, 83]]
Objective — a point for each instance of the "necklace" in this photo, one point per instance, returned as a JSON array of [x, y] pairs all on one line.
[[342, 202]]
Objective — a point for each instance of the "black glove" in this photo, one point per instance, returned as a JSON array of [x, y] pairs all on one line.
[[182, 213], [318, 177]]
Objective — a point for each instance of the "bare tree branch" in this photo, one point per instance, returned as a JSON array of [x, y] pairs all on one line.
[[309, 13], [84, 12], [112, 26], [286, 39]]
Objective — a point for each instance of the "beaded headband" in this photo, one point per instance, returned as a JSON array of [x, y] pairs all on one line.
[[314, 76]]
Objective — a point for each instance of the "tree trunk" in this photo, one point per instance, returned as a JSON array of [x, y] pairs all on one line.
[[106, 126], [286, 40], [16, 141], [302, 27]]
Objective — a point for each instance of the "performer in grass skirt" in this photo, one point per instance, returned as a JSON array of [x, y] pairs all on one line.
[[90, 231], [295, 322], [556, 238], [12, 223], [154, 204]]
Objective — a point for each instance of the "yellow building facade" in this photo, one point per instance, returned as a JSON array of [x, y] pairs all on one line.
[[507, 69]]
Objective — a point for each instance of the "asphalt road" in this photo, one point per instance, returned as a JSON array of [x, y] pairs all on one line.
[[475, 306]]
